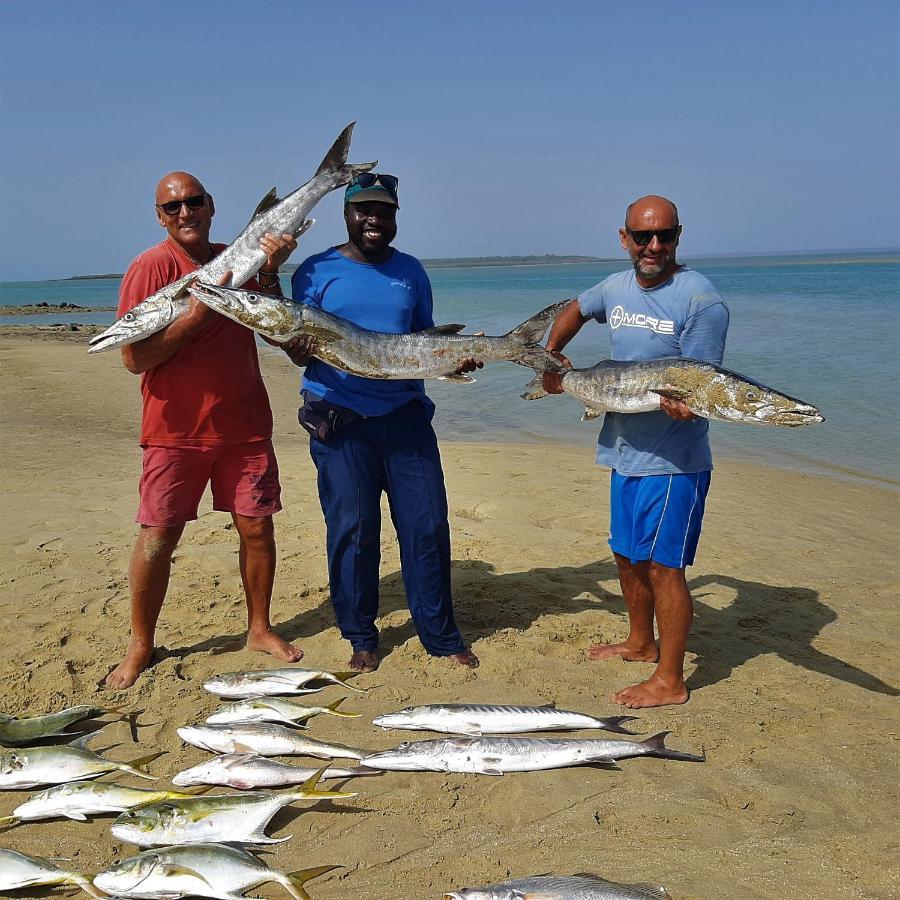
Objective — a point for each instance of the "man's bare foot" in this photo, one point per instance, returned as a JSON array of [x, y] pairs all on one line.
[[652, 692], [364, 661], [271, 643], [649, 653], [125, 674], [467, 658]]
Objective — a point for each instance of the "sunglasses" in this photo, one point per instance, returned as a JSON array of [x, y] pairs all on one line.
[[173, 207], [370, 179], [642, 238]]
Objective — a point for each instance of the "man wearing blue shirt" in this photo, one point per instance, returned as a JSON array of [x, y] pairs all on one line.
[[661, 461], [371, 435]]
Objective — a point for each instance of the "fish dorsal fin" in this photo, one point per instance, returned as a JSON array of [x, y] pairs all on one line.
[[550, 705], [457, 378], [266, 203], [442, 329], [336, 156]]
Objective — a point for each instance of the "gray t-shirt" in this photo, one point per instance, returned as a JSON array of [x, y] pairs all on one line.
[[685, 316]]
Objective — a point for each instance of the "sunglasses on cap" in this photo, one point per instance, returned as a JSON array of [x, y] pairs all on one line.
[[173, 207], [370, 179], [642, 238]]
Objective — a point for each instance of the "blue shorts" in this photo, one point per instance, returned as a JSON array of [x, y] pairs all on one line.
[[657, 517]]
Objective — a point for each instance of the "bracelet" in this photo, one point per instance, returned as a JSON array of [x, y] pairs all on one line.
[[267, 274]]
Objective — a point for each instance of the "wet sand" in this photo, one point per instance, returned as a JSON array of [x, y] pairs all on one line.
[[792, 661]]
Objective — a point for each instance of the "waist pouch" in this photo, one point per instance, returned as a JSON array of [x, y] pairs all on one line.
[[323, 419]]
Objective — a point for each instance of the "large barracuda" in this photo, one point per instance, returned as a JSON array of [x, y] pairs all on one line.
[[16, 732], [263, 738], [243, 256], [19, 870], [561, 887], [498, 755], [274, 709], [708, 391], [433, 353], [198, 870], [271, 682], [236, 818], [480, 718]]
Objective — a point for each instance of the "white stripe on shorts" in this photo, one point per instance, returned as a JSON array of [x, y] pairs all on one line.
[[661, 517], [687, 529]]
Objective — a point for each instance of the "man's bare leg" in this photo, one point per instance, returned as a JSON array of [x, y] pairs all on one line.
[[148, 580], [640, 645], [257, 561], [674, 615]]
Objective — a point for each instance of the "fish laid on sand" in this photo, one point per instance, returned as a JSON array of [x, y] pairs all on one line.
[[19, 870], [264, 739], [199, 870], [235, 818], [433, 353], [561, 887], [243, 256], [483, 718], [708, 391], [81, 799], [17, 732], [249, 770], [498, 755], [272, 682], [274, 709]]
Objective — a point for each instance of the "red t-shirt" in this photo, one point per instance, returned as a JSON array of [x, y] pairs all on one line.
[[211, 392]]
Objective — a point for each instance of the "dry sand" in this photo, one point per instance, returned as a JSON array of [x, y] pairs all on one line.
[[792, 660]]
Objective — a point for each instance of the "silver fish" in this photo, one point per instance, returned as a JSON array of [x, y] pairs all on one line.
[[708, 391], [244, 255], [198, 870], [498, 755], [481, 718], [561, 887], [271, 682], [432, 353], [236, 818], [264, 739], [249, 770], [19, 870], [274, 709], [16, 732]]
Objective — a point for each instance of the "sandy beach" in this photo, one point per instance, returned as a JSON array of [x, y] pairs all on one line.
[[792, 660]]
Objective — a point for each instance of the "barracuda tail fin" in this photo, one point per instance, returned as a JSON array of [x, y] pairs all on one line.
[[656, 746], [529, 334], [614, 724], [336, 158], [295, 881]]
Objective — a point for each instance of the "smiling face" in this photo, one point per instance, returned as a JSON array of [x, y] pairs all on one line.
[[654, 262], [189, 228], [371, 226]]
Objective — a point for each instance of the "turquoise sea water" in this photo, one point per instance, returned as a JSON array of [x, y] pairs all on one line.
[[825, 328]]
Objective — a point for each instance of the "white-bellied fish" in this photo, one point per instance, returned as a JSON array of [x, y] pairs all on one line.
[[236, 818], [433, 353], [498, 755], [272, 682], [264, 739], [484, 718], [274, 709], [17, 732], [19, 870], [199, 870], [244, 256], [560, 887], [707, 390]]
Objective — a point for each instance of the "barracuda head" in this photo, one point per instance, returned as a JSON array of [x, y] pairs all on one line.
[[275, 317], [145, 319], [405, 718]]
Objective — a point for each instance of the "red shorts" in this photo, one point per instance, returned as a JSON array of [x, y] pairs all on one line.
[[244, 479]]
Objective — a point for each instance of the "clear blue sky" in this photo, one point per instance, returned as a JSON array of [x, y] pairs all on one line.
[[514, 127]]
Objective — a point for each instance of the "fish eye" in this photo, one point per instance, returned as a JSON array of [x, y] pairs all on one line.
[[253, 298], [128, 317], [752, 395]]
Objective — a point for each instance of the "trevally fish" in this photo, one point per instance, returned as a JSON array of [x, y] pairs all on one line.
[[498, 755], [264, 739], [19, 870], [236, 818], [561, 887], [432, 353], [199, 870], [482, 718], [16, 732], [249, 770], [81, 799], [243, 256], [274, 709], [271, 682], [708, 391]]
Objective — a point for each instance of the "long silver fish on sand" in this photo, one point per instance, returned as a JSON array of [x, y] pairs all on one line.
[[432, 353], [498, 755], [81, 799], [264, 739], [708, 391], [17, 732], [249, 770], [199, 870], [560, 887], [19, 870], [483, 718], [271, 682], [236, 818], [274, 709], [243, 256], [29, 767]]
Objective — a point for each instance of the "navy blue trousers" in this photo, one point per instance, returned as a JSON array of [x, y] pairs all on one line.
[[396, 453]]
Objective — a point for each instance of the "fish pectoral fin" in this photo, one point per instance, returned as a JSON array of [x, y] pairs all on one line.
[[241, 753], [471, 729], [175, 868], [490, 767], [672, 392], [591, 413], [76, 816], [457, 378], [462, 742], [442, 329]]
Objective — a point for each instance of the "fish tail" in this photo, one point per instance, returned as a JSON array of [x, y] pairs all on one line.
[[534, 390], [614, 724], [533, 329], [336, 158], [135, 766], [7, 822], [333, 709], [85, 884], [296, 881], [310, 790], [656, 746], [341, 678]]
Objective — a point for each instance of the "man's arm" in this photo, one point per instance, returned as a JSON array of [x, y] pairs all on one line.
[[566, 325]]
